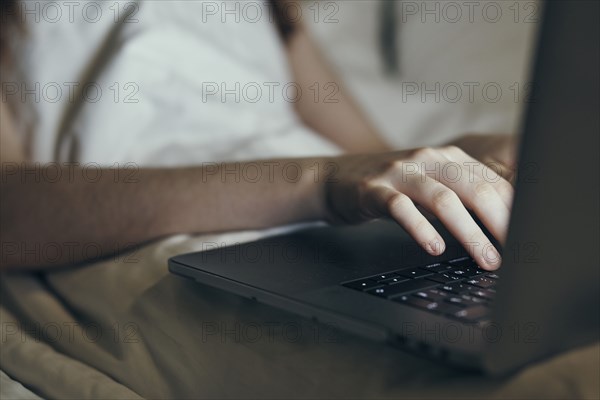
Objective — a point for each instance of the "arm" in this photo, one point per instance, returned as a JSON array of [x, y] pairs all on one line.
[[112, 209], [325, 105], [66, 217], [108, 210], [49, 215], [11, 149]]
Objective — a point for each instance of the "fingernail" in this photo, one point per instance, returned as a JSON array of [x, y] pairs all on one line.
[[435, 247], [492, 258]]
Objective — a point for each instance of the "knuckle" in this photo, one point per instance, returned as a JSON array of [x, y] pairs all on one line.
[[454, 150], [491, 168], [443, 199], [424, 153], [506, 187], [398, 202], [483, 190], [392, 165], [365, 184]]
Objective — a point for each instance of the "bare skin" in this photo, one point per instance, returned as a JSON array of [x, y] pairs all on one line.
[[116, 209], [497, 151], [326, 107]]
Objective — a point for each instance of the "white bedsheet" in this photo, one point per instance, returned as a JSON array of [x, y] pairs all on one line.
[[180, 87], [453, 59], [158, 70]]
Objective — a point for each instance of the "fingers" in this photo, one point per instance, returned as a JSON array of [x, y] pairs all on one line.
[[478, 194], [391, 203], [444, 182], [492, 175], [505, 171], [487, 197], [497, 151], [483, 191], [487, 205], [445, 204]]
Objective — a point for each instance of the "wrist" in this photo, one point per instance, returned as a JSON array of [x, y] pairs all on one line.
[[315, 176]]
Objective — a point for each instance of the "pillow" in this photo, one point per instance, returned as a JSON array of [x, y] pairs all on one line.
[[461, 68]]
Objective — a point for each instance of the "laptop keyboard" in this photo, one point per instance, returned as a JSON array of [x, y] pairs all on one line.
[[456, 288]]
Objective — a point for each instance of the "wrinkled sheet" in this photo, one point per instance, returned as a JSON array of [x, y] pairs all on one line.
[[11, 389], [126, 328]]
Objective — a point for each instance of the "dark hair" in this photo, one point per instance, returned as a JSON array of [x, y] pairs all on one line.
[[387, 32], [11, 31], [387, 36], [8, 27], [285, 26]]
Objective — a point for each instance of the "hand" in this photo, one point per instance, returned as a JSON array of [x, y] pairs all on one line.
[[496, 151], [444, 181]]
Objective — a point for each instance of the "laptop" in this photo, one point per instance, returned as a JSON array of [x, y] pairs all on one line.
[[374, 281]]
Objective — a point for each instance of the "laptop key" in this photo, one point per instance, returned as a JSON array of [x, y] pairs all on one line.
[[402, 288], [457, 288], [447, 284], [362, 284], [379, 291], [414, 273], [440, 307], [482, 282], [472, 300], [472, 314], [447, 308], [467, 272], [417, 302], [457, 301], [487, 294], [381, 277], [437, 268], [393, 280], [432, 294], [444, 278], [464, 262]]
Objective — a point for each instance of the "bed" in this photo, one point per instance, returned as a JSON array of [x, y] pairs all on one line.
[[124, 328]]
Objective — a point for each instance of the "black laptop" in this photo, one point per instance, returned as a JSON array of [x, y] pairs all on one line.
[[374, 281]]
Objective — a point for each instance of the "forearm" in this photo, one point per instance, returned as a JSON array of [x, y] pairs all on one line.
[[109, 210], [325, 104]]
